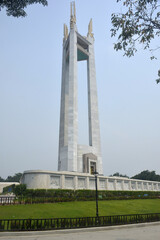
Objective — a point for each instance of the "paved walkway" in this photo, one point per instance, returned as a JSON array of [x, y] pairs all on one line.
[[149, 231]]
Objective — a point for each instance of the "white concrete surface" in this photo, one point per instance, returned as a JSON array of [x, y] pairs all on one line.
[[71, 154], [37, 179], [149, 231]]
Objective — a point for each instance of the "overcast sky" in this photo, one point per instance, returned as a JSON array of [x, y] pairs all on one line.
[[30, 84]]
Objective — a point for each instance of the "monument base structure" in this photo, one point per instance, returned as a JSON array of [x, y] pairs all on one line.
[[36, 179], [78, 163]]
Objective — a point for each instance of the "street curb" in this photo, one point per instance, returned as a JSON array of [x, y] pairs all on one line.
[[77, 230]]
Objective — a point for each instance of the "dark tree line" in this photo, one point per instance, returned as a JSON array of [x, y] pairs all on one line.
[[15, 178], [144, 175], [117, 174], [147, 175]]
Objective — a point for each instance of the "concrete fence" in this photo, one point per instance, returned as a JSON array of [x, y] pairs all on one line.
[[71, 180]]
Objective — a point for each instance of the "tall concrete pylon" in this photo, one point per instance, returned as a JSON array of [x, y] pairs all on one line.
[[74, 157]]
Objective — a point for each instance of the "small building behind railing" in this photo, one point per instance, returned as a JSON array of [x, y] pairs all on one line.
[[7, 184]]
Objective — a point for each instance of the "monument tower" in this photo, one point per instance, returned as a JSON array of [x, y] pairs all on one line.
[[77, 162], [74, 157]]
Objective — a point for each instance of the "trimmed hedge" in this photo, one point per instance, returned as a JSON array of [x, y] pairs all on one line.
[[59, 195]]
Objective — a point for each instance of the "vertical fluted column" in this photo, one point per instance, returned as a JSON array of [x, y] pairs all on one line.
[[72, 102], [94, 129]]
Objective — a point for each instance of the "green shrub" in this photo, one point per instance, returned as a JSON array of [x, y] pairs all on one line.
[[20, 190], [62, 195], [9, 189]]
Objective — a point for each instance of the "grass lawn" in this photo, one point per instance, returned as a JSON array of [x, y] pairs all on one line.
[[80, 209]]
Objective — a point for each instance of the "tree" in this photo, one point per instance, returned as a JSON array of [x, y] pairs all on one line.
[[15, 178], [16, 8], [147, 175], [140, 23], [1, 179], [158, 80], [117, 174], [20, 190]]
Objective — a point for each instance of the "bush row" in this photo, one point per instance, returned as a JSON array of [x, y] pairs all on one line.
[[25, 200], [87, 193], [59, 195]]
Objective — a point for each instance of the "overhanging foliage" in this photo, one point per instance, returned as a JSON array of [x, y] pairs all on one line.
[[16, 8]]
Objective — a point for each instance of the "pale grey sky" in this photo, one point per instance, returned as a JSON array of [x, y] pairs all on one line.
[[30, 82]]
